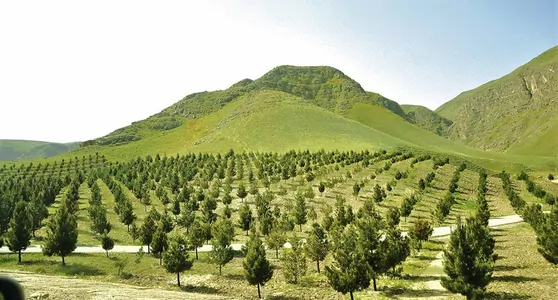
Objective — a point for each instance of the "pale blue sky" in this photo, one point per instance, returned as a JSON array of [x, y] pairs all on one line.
[[72, 70]]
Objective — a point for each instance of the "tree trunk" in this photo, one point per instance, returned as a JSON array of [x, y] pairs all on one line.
[[246, 232], [220, 266], [178, 278], [351, 293], [19, 256], [375, 287], [318, 265], [128, 226], [107, 253], [277, 253], [196, 253], [147, 249], [63, 261], [145, 208], [300, 225], [259, 293], [34, 232], [160, 259]]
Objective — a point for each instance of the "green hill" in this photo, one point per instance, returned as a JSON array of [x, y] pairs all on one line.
[[517, 113], [426, 119], [22, 149], [292, 108]]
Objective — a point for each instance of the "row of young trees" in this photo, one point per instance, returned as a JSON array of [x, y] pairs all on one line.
[[443, 208], [537, 190], [544, 224]]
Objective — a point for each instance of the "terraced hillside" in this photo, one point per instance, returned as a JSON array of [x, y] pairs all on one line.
[[192, 190], [517, 113]]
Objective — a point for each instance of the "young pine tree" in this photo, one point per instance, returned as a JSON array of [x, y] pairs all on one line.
[[349, 271], [19, 234], [294, 261], [467, 262], [222, 252], [62, 234], [257, 269], [317, 245], [176, 258]]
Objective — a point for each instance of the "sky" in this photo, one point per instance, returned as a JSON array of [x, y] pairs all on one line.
[[78, 70]]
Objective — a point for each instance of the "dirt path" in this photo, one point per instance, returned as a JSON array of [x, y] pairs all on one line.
[[64, 288], [436, 265], [438, 232]]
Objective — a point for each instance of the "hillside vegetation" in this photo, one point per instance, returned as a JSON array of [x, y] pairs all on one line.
[[22, 149], [426, 119], [517, 113]]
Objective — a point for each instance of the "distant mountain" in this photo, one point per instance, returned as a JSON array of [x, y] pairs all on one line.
[[426, 119], [288, 108], [517, 113], [21, 149]]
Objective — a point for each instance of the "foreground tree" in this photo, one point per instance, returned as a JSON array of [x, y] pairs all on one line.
[[547, 238], [468, 261], [62, 234], [294, 261], [349, 271], [176, 258], [317, 245], [420, 233], [21, 226], [159, 243], [276, 239], [257, 269], [196, 236], [107, 242], [222, 252]]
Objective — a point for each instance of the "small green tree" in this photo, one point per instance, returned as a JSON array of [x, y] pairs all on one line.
[[349, 271], [176, 258], [107, 242], [547, 237], [245, 218], [294, 261], [317, 245], [420, 232], [300, 211], [62, 234], [469, 270], [257, 269], [197, 236], [241, 191], [222, 252], [159, 242], [21, 226], [276, 239]]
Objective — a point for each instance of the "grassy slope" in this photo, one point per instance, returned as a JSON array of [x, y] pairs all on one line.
[[380, 119], [261, 120], [517, 112], [426, 119], [22, 149]]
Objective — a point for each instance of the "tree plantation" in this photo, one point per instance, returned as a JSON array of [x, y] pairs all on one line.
[[334, 224]]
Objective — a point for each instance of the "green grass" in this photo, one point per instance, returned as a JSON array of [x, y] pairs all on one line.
[[426, 119]]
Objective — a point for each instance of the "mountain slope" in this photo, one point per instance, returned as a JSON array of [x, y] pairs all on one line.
[[517, 113], [260, 120], [22, 149], [426, 119]]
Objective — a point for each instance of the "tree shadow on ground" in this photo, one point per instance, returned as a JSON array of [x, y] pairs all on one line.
[[507, 268], [516, 279], [69, 269], [237, 277], [505, 296], [199, 289], [394, 293]]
